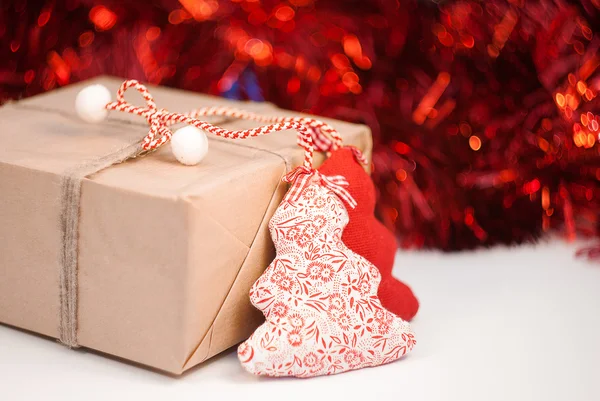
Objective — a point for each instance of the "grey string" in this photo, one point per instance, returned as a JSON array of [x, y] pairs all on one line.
[[69, 219]]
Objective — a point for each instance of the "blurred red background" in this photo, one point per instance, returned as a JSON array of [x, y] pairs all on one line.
[[484, 113]]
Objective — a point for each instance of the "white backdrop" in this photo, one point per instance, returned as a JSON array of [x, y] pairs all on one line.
[[506, 324]]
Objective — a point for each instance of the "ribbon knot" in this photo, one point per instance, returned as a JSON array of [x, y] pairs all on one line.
[[158, 119], [297, 172], [301, 177], [159, 129]]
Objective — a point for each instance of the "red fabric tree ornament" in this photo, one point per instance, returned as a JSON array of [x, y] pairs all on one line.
[[367, 236], [319, 298]]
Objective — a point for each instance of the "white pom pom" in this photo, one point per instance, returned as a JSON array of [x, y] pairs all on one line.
[[189, 145], [91, 102]]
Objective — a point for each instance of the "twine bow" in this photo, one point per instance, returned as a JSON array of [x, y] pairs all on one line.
[[311, 133], [301, 176], [160, 120]]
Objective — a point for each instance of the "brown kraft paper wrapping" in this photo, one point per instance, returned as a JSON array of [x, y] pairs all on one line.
[[167, 253]]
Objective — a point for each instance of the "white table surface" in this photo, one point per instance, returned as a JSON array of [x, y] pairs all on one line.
[[506, 324]]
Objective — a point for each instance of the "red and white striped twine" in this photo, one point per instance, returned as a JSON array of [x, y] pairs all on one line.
[[321, 131], [325, 137], [311, 133]]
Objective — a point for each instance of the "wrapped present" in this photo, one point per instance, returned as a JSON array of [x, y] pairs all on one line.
[[164, 254]]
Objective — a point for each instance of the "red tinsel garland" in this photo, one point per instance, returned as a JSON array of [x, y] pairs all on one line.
[[485, 114]]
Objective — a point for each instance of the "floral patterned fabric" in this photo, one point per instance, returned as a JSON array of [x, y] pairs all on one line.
[[319, 298]]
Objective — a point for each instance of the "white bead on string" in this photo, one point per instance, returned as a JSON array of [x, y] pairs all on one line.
[[189, 145], [90, 103]]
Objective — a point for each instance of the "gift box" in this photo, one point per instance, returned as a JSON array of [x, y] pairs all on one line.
[[165, 253]]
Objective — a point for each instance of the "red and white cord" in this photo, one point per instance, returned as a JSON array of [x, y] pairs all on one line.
[[321, 131], [160, 119], [325, 137], [312, 133]]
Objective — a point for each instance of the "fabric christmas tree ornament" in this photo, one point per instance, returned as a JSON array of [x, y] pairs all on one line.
[[319, 298], [367, 236]]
